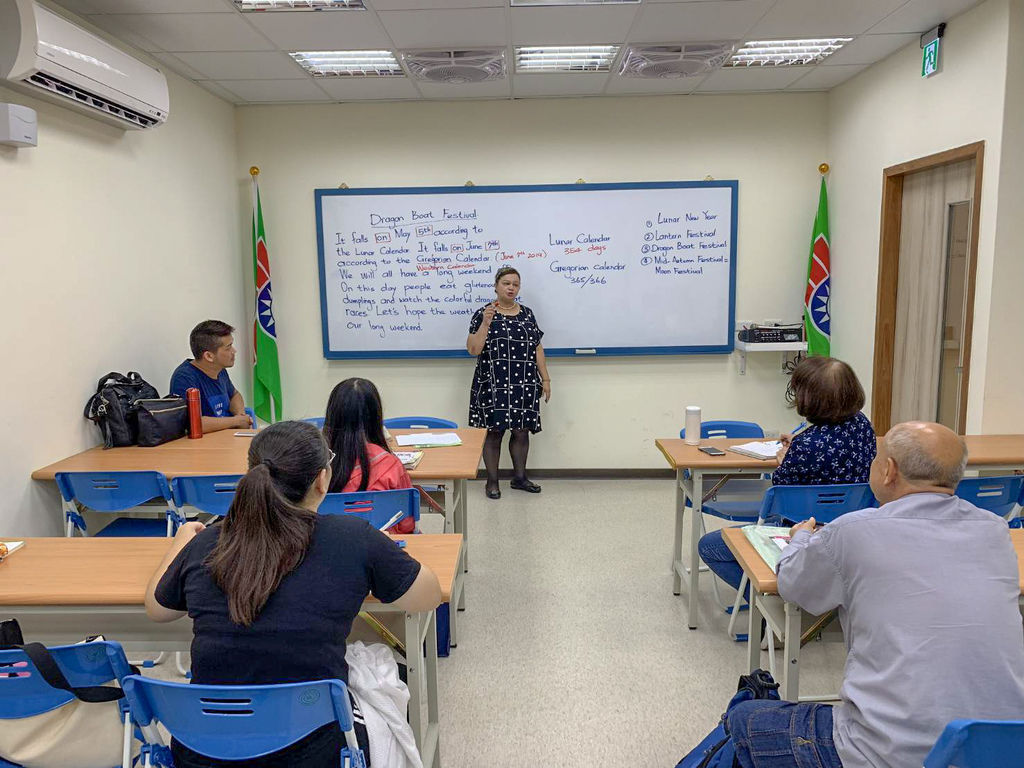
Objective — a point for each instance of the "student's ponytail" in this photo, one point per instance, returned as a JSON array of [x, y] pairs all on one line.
[[266, 533]]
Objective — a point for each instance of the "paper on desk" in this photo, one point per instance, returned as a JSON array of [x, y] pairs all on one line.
[[765, 539], [409, 459], [757, 449], [12, 545], [428, 439]]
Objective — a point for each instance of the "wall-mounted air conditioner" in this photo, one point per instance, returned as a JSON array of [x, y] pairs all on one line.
[[45, 55]]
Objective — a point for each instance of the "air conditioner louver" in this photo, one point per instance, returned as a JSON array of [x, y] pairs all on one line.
[[675, 61], [454, 67], [70, 92]]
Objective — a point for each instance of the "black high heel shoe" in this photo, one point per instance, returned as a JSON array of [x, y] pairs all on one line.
[[492, 493], [524, 485]]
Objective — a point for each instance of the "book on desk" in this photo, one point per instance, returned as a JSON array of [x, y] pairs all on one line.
[[765, 451]]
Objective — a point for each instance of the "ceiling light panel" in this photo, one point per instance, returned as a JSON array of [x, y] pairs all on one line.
[[565, 58], [785, 53], [573, 2], [299, 5], [348, 63]]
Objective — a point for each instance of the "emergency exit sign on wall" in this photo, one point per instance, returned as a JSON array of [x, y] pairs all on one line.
[[930, 58]]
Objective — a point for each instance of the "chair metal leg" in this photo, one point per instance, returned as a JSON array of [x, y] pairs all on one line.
[[179, 663], [736, 605], [126, 747]]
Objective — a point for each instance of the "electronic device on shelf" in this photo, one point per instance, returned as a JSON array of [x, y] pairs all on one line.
[[771, 334]]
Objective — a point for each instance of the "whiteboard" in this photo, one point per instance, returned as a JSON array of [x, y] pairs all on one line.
[[608, 269]]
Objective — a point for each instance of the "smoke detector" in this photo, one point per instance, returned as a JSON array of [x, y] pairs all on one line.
[[675, 61], [475, 66]]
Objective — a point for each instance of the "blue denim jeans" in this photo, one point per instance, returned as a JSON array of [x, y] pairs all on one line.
[[720, 559], [780, 734]]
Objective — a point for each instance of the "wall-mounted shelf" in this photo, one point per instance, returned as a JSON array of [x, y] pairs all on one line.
[[785, 347]]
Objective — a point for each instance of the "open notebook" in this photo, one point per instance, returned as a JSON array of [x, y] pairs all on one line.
[[758, 450], [769, 541]]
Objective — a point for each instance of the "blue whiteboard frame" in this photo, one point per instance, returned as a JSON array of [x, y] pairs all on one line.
[[712, 349]]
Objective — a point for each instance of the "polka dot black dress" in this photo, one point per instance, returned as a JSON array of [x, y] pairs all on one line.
[[506, 385]]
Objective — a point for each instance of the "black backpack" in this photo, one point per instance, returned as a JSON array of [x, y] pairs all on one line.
[[114, 407]]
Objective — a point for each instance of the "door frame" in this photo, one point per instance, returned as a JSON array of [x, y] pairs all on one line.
[[888, 278]]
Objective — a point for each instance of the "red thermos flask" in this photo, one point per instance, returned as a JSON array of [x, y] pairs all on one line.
[[195, 413]]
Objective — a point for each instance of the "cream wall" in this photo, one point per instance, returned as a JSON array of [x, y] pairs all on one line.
[[114, 244], [1004, 406], [604, 413], [889, 114]]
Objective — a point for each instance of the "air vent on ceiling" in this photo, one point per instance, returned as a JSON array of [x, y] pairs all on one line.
[[673, 61], [475, 66]]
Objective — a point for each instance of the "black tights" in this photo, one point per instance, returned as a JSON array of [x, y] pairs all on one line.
[[518, 447]]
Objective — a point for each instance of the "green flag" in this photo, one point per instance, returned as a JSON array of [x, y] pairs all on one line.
[[817, 317], [266, 372]]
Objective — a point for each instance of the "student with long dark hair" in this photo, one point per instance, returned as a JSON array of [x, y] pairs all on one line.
[[363, 461], [274, 588]]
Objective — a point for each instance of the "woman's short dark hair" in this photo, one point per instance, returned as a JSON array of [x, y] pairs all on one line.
[[506, 271], [825, 390], [354, 418]]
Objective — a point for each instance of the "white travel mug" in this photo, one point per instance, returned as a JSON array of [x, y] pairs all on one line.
[[693, 425]]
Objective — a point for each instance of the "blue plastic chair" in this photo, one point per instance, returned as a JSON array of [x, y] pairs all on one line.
[[419, 422], [796, 503], [743, 511], [211, 494], [376, 507], [316, 421], [117, 492], [238, 722], [998, 495], [978, 744], [24, 692]]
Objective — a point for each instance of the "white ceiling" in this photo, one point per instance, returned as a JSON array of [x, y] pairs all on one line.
[[243, 57]]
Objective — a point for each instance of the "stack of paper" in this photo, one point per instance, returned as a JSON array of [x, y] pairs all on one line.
[[428, 440], [11, 546], [758, 450], [769, 541], [409, 459]]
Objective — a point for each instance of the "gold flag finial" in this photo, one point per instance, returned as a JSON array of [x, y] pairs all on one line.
[[823, 169], [254, 171]]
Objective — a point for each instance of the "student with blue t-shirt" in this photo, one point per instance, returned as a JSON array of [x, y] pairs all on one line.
[[213, 352]]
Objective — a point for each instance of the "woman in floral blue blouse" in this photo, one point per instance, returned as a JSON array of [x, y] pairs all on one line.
[[837, 447]]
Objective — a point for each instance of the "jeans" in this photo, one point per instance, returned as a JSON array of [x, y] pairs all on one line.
[[720, 559], [780, 734]]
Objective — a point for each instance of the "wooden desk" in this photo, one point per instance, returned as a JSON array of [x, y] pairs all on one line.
[[63, 589], [222, 453], [784, 616], [984, 453]]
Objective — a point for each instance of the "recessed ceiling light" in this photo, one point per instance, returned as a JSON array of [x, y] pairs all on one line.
[[784, 53], [573, 2], [348, 63], [299, 5], [565, 58]]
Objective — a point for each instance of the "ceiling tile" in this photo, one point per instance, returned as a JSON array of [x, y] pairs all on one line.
[[822, 78], [194, 31], [244, 65], [368, 88], [81, 7], [867, 49], [432, 5], [559, 84], [572, 25], [493, 89], [822, 18], [653, 85], [252, 91], [117, 28], [751, 79], [443, 29], [700, 21], [218, 90], [160, 6], [171, 61], [324, 31], [919, 16]]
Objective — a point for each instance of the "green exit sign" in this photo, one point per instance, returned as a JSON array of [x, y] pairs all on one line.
[[930, 58]]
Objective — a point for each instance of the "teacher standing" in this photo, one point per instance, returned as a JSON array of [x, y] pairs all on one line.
[[510, 376]]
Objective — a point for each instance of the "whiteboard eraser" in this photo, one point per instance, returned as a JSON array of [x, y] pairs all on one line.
[[18, 126], [586, 351]]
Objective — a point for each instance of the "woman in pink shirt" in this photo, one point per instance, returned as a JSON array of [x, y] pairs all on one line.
[[354, 429]]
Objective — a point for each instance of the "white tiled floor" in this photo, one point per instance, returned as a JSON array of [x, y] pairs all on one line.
[[573, 650]]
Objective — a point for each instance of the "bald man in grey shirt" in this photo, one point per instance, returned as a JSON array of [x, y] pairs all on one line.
[[927, 590]]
